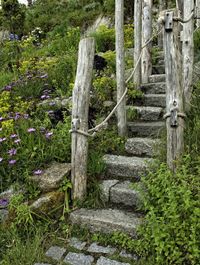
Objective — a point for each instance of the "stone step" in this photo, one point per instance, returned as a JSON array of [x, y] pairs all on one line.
[[116, 192], [125, 167], [144, 113], [106, 220], [154, 88], [157, 78], [158, 69], [141, 146], [146, 129], [155, 100]]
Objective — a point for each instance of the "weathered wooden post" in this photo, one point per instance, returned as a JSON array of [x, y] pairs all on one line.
[[162, 6], [174, 91], [80, 109], [188, 50], [197, 4], [137, 40], [120, 66], [146, 36]]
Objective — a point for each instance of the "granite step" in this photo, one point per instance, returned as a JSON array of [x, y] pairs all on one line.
[[119, 192], [157, 78], [154, 88], [158, 69], [155, 100], [124, 167], [141, 146], [106, 220], [146, 129], [144, 113]]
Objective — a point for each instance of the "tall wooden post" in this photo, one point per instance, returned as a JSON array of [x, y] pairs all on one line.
[[80, 109], [120, 66], [174, 91], [198, 13], [137, 40], [188, 51], [162, 6], [146, 36]]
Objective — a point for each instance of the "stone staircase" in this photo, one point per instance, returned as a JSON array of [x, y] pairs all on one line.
[[121, 199]]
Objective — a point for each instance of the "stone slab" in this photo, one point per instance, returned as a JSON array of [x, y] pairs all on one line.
[[157, 78], [3, 215], [146, 113], [125, 167], [105, 186], [78, 259], [76, 243], [95, 248], [52, 177], [122, 193], [106, 220], [156, 100], [141, 146], [146, 129], [154, 88], [55, 253], [124, 254], [105, 261]]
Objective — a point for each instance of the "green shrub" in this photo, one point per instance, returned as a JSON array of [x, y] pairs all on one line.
[[105, 38], [171, 230]]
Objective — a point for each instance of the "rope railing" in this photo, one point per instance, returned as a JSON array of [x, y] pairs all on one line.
[[104, 122]]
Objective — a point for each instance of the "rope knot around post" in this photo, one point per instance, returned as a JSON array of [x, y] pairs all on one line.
[[174, 114]]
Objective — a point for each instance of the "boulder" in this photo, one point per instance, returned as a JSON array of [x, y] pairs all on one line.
[[52, 177]]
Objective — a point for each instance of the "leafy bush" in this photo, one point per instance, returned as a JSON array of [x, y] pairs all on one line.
[[171, 230], [105, 38]]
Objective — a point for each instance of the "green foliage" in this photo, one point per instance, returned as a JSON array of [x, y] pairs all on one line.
[[171, 230], [13, 15], [18, 250], [105, 38], [118, 239], [110, 57]]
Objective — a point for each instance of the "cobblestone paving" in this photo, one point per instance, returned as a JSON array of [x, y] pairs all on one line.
[[87, 254]]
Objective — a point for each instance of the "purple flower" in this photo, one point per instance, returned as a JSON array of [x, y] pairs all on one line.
[[12, 136], [50, 112], [38, 172], [1, 129], [1, 118], [1, 159], [12, 152], [48, 135], [17, 141], [30, 130], [8, 88], [17, 116], [45, 97], [42, 129], [2, 139], [3, 202], [12, 162]]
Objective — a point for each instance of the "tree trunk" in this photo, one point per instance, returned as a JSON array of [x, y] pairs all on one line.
[[120, 67], [80, 109]]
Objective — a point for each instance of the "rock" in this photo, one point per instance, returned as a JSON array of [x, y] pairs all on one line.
[[78, 259], [55, 252], [95, 248], [48, 202], [76, 243], [157, 78], [52, 177], [154, 88], [3, 215], [146, 113], [147, 129], [106, 220], [105, 188], [42, 264], [108, 104], [8, 194], [142, 146], [105, 261], [124, 254], [125, 167]]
